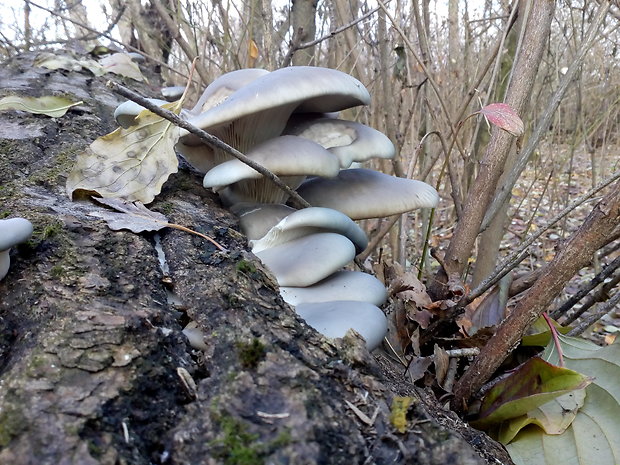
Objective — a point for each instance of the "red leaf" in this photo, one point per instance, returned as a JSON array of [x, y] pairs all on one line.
[[503, 116]]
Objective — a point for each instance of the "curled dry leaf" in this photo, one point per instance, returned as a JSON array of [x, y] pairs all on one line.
[[503, 116], [52, 61], [131, 163], [122, 64], [137, 218], [130, 215], [48, 105]]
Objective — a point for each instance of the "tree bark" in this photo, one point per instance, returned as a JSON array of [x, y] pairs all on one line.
[[303, 14], [94, 368], [492, 163]]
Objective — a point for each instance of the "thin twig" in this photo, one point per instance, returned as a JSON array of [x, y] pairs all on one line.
[[603, 310], [208, 139], [600, 295], [426, 71], [294, 47], [585, 289]]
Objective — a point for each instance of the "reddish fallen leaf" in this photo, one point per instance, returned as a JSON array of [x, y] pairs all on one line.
[[503, 116]]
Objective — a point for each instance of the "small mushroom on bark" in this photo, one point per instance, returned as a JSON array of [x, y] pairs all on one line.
[[13, 231], [127, 112]]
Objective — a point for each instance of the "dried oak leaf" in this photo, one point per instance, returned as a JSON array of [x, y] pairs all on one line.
[[131, 163]]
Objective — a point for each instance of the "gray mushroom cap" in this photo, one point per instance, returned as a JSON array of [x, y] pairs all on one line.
[[361, 193], [308, 221], [348, 140], [255, 220], [126, 113], [13, 231], [259, 110], [172, 93], [225, 85], [342, 285], [334, 319], [304, 89], [309, 259], [289, 157]]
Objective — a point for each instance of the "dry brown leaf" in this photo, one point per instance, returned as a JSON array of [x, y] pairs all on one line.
[[131, 163], [48, 105]]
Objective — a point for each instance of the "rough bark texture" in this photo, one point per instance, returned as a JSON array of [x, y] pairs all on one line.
[[91, 349], [303, 17]]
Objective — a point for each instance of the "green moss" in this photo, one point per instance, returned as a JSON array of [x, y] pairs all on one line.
[[4, 214], [11, 423], [51, 230], [237, 446], [232, 299], [166, 208], [250, 354], [61, 167], [244, 266], [283, 439], [57, 271]]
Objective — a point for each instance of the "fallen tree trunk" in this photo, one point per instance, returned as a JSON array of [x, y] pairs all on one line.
[[94, 368]]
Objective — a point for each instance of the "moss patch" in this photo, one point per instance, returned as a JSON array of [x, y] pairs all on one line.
[[244, 266], [12, 423], [250, 354], [237, 446]]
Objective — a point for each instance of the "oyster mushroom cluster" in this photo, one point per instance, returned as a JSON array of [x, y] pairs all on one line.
[[286, 120]]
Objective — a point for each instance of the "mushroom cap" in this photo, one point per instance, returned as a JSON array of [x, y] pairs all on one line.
[[361, 193], [342, 285], [308, 221], [259, 110], [126, 113], [348, 140], [172, 93], [334, 319], [290, 157], [255, 220], [223, 86], [309, 259], [304, 89], [14, 231], [285, 155]]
